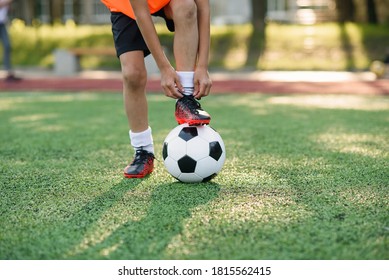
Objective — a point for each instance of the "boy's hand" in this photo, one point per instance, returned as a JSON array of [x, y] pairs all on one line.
[[202, 83], [171, 83]]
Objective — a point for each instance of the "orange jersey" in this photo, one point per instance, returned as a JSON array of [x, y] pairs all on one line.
[[124, 6]]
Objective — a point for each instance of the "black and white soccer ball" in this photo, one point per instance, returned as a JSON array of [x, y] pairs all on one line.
[[193, 154]]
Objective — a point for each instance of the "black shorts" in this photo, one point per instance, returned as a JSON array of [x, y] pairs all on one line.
[[126, 33]]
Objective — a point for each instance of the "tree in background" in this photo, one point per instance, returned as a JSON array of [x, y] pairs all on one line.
[[258, 36], [25, 10], [56, 10], [362, 11], [346, 10], [371, 10]]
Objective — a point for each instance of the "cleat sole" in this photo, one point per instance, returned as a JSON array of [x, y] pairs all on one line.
[[136, 176], [193, 122]]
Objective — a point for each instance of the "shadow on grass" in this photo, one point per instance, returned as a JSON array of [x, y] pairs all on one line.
[[147, 236]]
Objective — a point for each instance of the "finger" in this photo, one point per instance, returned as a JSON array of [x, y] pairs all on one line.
[[196, 91], [208, 88], [174, 92], [167, 91], [199, 92], [179, 85], [177, 94], [203, 90], [170, 89]]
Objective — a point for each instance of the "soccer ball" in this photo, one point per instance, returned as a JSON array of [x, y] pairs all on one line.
[[193, 154]]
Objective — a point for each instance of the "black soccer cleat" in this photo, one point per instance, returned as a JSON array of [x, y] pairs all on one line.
[[188, 110], [141, 166]]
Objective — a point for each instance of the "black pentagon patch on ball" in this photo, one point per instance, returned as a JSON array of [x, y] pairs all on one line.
[[215, 150], [164, 151], [187, 164], [188, 133]]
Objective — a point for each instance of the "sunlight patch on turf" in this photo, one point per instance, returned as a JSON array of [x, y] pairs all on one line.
[[257, 105], [361, 144], [159, 97], [6, 104], [107, 251], [111, 220], [232, 214], [50, 128], [66, 97], [368, 197], [255, 207], [34, 122], [333, 102], [98, 234], [260, 207], [33, 118], [42, 97], [131, 208]]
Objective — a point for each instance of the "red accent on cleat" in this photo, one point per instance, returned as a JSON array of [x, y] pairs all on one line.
[[193, 122], [188, 110], [141, 166]]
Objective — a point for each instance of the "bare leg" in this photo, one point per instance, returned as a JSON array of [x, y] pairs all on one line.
[[135, 103], [134, 90], [186, 38], [186, 46]]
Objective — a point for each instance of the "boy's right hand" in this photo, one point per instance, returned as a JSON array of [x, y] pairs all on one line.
[[171, 83]]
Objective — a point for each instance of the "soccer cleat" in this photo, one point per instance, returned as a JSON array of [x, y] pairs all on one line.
[[188, 110], [142, 165]]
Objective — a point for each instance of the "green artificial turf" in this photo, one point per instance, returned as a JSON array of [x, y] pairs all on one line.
[[306, 177]]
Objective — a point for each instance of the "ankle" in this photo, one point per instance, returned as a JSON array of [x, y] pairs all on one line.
[[187, 81], [148, 148], [188, 90], [142, 140]]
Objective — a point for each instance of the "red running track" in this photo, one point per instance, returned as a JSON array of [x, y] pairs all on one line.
[[378, 87]]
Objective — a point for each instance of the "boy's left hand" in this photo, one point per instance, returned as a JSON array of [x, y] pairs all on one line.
[[202, 83]]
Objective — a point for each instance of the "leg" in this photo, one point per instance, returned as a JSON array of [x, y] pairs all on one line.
[[134, 90], [131, 48], [135, 103], [186, 38], [4, 37], [6, 46], [186, 44]]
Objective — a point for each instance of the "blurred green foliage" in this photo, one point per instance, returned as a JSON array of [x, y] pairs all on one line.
[[327, 46]]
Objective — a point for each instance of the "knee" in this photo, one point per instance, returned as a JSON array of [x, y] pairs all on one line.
[[134, 78], [184, 10]]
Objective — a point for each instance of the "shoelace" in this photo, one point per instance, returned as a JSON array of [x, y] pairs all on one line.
[[140, 157], [192, 104]]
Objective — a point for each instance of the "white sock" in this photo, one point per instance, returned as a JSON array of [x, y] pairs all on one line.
[[142, 140], [187, 81]]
